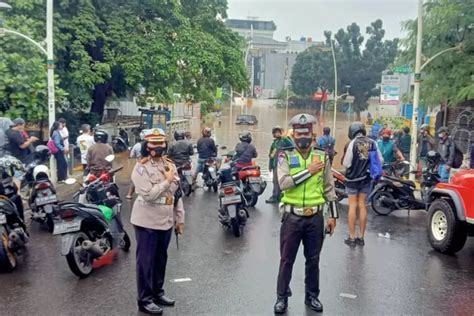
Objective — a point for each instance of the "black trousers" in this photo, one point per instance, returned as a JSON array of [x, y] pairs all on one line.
[[152, 255], [294, 229], [276, 185]]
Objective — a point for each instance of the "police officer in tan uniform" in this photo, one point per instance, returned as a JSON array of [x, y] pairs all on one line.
[[305, 177], [154, 214]]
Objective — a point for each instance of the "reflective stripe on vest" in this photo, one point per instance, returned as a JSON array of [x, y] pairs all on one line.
[[311, 192]]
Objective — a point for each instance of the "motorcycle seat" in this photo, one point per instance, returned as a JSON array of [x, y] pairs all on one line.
[[248, 168], [407, 182]]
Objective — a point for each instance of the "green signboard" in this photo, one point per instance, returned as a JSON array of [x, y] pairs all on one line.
[[403, 69]]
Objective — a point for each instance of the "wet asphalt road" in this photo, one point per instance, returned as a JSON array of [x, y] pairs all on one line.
[[231, 276]]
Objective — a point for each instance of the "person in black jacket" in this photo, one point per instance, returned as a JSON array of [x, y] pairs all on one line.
[[206, 148], [358, 180], [181, 150], [244, 151], [446, 149]]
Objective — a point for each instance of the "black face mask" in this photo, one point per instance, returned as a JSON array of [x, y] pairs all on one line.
[[158, 151], [303, 142]]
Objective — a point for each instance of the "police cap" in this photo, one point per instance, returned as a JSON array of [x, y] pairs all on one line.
[[303, 123]]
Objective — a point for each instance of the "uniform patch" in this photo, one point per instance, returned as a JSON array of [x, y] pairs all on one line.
[[294, 162], [140, 170]]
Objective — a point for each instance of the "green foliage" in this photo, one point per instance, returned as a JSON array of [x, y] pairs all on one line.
[[449, 77], [357, 66], [116, 47]]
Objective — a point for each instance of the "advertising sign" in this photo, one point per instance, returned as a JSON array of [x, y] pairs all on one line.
[[390, 90]]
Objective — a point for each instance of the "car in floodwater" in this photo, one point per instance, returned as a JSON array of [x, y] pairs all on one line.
[[246, 119]]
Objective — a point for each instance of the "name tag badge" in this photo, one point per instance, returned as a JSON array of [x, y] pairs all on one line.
[[294, 162]]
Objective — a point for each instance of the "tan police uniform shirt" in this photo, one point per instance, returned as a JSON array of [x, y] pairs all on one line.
[[286, 180], [151, 185]]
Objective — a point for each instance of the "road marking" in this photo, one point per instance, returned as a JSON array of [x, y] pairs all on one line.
[[181, 280], [346, 295]]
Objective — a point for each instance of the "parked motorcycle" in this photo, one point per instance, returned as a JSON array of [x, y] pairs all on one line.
[[233, 212], [253, 184], [8, 166], [186, 178], [43, 198], [90, 232], [13, 233], [339, 184], [41, 157], [209, 174], [120, 143], [392, 193]]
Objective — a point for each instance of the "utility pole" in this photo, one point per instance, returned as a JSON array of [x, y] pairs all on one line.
[[50, 64], [335, 88], [416, 97], [287, 84]]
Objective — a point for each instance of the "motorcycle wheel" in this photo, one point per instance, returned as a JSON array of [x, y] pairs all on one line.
[[125, 242], [340, 189], [80, 262], [50, 222], [236, 228], [7, 256], [378, 206], [186, 188]]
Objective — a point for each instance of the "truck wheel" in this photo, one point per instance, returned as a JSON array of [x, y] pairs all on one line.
[[446, 233]]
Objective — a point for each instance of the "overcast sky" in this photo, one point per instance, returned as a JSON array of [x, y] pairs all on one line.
[[310, 18]]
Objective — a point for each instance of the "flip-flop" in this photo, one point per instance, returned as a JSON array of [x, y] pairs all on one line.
[[128, 197]]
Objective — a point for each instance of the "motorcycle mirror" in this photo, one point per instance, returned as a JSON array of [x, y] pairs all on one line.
[[70, 181], [110, 158]]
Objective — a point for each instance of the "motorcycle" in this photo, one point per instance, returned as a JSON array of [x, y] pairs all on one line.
[[91, 232], [233, 212], [43, 197], [120, 143], [339, 184], [186, 178], [209, 174], [8, 165], [253, 184], [13, 233], [392, 193]]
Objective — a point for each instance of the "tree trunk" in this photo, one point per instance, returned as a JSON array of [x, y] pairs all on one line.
[[100, 95]]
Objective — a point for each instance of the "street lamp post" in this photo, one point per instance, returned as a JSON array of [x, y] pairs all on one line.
[[49, 52], [335, 87]]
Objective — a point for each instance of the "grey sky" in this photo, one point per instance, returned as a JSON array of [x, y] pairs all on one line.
[[310, 18]]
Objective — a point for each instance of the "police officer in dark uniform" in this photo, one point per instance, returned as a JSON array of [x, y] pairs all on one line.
[[304, 175]]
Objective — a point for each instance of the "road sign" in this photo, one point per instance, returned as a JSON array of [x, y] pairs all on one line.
[[257, 89], [403, 69]]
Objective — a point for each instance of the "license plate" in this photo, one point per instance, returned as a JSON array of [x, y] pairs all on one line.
[[3, 219], [67, 227], [254, 179], [187, 172], [46, 200], [231, 199]]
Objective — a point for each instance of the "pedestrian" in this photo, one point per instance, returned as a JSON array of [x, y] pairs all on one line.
[[84, 142], [388, 148], [446, 149], [206, 148], [358, 180], [55, 135], [155, 211], [426, 143], [404, 142], [136, 153], [96, 154], [279, 143], [64, 134], [327, 143], [304, 174], [19, 145]]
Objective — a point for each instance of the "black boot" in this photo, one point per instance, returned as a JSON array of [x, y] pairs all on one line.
[[314, 304], [281, 305]]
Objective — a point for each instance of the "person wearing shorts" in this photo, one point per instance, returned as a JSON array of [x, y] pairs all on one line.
[[358, 180]]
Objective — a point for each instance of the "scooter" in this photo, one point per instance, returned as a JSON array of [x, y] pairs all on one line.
[[209, 174], [43, 197], [392, 193], [253, 184], [339, 184], [233, 212], [186, 178]]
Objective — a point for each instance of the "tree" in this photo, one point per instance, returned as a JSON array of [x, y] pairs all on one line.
[[449, 77], [115, 47], [357, 67]]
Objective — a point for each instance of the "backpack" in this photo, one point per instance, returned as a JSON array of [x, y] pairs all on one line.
[[328, 144], [375, 163], [458, 157]]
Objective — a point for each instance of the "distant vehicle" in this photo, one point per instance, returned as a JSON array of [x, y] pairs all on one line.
[[246, 119]]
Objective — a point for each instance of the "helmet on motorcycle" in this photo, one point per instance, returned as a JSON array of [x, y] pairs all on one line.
[[178, 135], [277, 129], [101, 136], [433, 157], [356, 128], [206, 132], [9, 164], [42, 153], [245, 137], [41, 172]]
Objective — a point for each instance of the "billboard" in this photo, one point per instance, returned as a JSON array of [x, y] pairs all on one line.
[[390, 90]]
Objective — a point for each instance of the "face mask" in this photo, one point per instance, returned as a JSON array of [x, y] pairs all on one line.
[[158, 151], [386, 139], [304, 142]]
